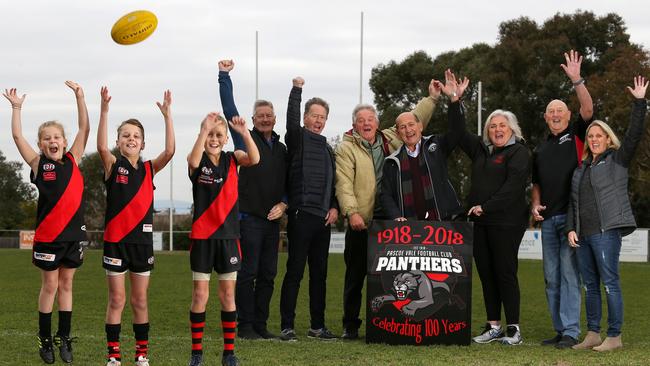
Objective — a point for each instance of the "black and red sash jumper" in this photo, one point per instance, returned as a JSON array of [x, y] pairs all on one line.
[[60, 209], [129, 203]]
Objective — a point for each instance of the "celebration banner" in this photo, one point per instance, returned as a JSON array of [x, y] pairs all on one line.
[[419, 288]]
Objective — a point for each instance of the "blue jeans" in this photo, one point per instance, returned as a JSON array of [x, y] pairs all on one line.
[[561, 276], [598, 260]]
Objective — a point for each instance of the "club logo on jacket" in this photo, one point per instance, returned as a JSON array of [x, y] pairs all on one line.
[[122, 170], [433, 147], [564, 138], [207, 171], [48, 167], [234, 260], [49, 176]]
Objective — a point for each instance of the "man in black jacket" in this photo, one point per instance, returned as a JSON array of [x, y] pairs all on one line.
[[312, 209], [261, 205]]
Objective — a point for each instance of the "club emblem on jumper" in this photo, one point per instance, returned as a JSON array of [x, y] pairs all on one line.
[[207, 171], [48, 167], [122, 170]]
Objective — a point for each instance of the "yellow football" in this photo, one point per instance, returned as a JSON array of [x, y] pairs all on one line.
[[134, 27]]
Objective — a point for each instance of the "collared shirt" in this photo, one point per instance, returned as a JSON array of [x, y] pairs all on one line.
[[415, 153]]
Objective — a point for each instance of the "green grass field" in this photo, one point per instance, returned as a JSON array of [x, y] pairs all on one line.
[[170, 339]]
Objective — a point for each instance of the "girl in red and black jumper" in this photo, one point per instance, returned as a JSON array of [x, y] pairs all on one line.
[[215, 227], [59, 223], [128, 241]]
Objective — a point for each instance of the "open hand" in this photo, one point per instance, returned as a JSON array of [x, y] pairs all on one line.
[[572, 67], [435, 88], [238, 124], [76, 88], [13, 98], [105, 98], [166, 105], [640, 86]]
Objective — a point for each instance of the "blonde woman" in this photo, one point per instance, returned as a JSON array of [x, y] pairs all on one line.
[[600, 214]]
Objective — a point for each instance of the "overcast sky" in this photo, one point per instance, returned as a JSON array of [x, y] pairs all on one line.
[[44, 43]]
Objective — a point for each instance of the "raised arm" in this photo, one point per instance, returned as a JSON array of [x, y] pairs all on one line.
[[26, 151], [424, 109], [634, 132], [454, 90], [293, 113], [572, 70], [228, 100], [251, 156], [80, 141], [194, 157], [108, 159], [170, 142]]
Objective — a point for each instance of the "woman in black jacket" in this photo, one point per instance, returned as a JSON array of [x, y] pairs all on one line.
[[500, 169], [600, 214]]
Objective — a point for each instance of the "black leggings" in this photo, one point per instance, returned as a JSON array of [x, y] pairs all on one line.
[[495, 254]]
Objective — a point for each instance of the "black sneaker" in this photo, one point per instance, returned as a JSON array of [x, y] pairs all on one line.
[[247, 333], [566, 342], [229, 360], [350, 334], [288, 335], [265, 334], [196, 360], [323, 334], [65, 347], [46, 349], [552, 341]]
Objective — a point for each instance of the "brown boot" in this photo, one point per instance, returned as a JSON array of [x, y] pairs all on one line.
[[610, 344], [592, 339]]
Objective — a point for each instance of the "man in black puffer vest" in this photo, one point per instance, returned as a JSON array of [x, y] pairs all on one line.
[[312, 209]]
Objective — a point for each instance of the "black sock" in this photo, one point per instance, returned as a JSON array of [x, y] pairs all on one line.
[[44, 324], [65, 320], [228, 324], [113, 341], [141, 339], [197, 323]]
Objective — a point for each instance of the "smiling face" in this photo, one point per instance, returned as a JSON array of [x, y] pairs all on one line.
[[217, 139], [366, 124], [52, 141], [130, 140], [264, 119], [557, 116], [597, 140], [315, 118], [499, 132], [409, 129]]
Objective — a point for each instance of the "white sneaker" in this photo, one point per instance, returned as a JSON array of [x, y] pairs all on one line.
[[142, 361], [113, 362], [489, 334], [513, 336]]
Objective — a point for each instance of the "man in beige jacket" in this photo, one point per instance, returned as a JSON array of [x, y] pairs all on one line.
[[359, 166]]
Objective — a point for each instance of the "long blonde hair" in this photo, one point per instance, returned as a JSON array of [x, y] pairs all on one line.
[[614, 142]]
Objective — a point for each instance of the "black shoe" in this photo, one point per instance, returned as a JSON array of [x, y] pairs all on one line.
[[566, 342], [265, 334], [323, 334], [229, 360], [46, 349], [288, 335], [196, 360], [247, 333], [552, 341], [350, 334], [65, 347]]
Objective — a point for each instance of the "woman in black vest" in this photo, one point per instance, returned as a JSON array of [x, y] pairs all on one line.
[[600, 214]]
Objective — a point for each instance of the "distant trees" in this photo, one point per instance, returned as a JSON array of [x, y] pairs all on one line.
[[17, 197], [522, 73]]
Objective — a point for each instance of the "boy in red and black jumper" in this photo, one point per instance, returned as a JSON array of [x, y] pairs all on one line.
[[215, 227], [128, 242], [59, 219]]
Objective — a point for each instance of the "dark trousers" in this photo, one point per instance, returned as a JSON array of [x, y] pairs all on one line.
[[309, 241], [255, 280], [495, 254], [356, 259]]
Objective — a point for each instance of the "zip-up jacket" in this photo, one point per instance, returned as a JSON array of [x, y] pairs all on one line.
[[609, 179], [435, 149]]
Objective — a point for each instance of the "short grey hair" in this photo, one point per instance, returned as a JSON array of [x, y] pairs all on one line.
[[361, 107], [262, 103], [511, 119]]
